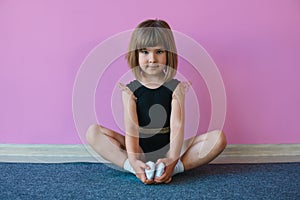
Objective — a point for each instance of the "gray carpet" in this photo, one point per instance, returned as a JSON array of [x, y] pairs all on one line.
[[98, 181]]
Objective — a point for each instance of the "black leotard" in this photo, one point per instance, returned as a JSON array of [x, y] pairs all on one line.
[[153, 111]]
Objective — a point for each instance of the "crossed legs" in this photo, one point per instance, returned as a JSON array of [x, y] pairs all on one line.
[[196, 151]]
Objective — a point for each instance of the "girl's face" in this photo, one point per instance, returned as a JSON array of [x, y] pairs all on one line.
[[152, 60]]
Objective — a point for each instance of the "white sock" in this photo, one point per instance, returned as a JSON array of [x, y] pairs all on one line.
[[160, 168], [150, 172], [179, 168], [128, 167]]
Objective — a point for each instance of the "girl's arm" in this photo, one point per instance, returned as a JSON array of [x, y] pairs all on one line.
[[177, 131], [131, 125], [177, 120], [132, 135]]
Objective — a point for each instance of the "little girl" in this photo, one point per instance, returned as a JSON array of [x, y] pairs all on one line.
[[153, 147]]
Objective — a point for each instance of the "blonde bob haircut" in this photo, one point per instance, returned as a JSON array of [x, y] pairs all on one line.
[[152, 33]]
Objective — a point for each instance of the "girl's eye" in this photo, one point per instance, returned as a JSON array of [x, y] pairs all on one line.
[[144, 52], [160, 51]]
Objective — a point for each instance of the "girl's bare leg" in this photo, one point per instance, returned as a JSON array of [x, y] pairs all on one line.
[[202, 149], [107, 143]]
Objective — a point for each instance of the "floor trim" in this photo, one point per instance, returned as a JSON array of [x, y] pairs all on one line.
[[260, 153], [235, 153]]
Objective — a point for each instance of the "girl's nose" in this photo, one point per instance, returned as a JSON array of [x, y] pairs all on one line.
[[151, 58]]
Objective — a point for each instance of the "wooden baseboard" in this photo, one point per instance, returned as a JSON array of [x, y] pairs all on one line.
[[236, 153], [260, 153], [48, 153]]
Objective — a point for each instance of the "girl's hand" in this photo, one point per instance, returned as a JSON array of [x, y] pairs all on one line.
[[139, 168], [166, 177]]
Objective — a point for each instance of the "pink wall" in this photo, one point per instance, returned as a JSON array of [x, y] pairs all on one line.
[[255, 44]]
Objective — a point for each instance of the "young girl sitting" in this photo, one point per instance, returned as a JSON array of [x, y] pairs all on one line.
[[153, 147]]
